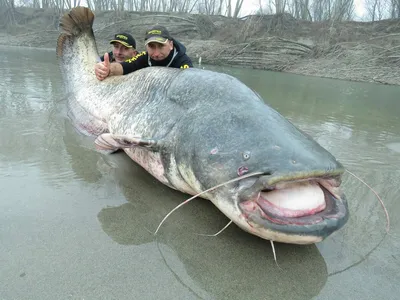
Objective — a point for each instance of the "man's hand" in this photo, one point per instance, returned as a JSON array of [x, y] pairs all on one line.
[[102, 69]]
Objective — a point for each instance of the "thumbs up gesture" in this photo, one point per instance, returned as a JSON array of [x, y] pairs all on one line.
[[102, 69]]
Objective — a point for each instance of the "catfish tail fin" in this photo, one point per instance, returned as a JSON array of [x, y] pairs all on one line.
[[76, 22]]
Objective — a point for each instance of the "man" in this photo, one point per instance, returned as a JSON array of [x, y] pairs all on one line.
[[123, 48], [161, 50]]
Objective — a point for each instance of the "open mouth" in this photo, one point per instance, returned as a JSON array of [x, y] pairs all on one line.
[[301, 203]]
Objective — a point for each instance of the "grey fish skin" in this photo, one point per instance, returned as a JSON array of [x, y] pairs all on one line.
[[194, 129]]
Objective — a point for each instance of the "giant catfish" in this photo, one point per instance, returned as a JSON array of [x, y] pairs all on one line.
[[194, 129]]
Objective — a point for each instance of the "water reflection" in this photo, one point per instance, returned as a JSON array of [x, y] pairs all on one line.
[[149, 201], [245, 261], [346, 118], [344, 250], [205, 259], [394, 147]]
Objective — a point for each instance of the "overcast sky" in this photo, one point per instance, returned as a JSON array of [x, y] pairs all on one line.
[[250, 6]]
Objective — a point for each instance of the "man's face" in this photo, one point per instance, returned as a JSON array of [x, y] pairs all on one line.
[[158, 51], [122, 53]]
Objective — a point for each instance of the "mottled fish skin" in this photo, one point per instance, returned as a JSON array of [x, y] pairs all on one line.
[[194, 129]]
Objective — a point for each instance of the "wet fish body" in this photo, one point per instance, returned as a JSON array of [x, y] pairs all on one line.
[[194, 129]]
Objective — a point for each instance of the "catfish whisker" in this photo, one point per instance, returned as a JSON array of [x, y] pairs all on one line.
[[210, 189], [226, 226], [215, 234], [273, 251], [379, 199]]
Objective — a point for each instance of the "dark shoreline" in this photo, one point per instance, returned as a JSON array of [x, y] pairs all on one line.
[[355, 51]]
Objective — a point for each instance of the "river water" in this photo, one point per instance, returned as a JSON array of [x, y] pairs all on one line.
[[75, 224]]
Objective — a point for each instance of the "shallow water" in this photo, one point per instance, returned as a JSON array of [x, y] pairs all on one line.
[[75, 224]]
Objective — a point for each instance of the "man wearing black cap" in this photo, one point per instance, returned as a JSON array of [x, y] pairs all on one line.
[[124, 47], [162, 50]]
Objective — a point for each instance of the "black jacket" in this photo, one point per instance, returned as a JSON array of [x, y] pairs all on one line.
[[177, 58]]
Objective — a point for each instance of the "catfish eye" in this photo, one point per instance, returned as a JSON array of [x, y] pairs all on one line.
[[246, 155]]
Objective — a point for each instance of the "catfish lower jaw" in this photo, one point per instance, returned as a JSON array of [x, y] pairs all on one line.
[[320, 217]]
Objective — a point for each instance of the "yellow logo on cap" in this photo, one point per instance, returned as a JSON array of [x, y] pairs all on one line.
[[122, 37], [155, 31]]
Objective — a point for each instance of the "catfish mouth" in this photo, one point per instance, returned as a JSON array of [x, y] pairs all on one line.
[[305, 206]]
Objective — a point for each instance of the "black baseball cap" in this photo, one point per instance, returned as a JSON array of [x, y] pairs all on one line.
[[125, 39], [157, 34]]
